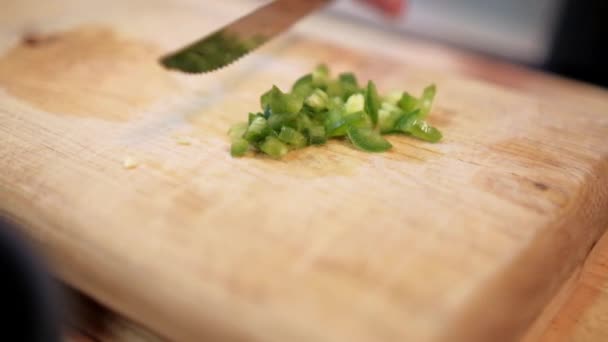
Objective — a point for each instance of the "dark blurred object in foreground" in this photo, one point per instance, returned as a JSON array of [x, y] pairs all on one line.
[[579, 47], [29, 310]]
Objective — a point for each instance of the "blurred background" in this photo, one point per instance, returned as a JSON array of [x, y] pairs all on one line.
[[567, 37]]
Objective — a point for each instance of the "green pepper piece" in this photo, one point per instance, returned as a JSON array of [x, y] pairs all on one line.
[[337, 125], [316, 135], [252, 117], [406, 121], [257, 130], [372, 102], [279, 102], [389, 117], [393, 97], [267, 112], [333, 89], [276, 121], [292, 137], [422, 130], [237, 130], [344, 86], [318, 100], [320, 76], [407, 103], [348, 78], [355, 103], [367, 139], [335, 103], [303, 122], [273, 147], [426, 101], [239, 147], [303, 86]]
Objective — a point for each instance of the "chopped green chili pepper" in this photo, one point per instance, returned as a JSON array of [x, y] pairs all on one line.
[[303, 86], [237, 130], [348, 78], [316, 135], [239, 147], [422, 130], [319, 107], [320, 76], [252, 117], [355, 103], [368, 139], [407, 103], [426, 101], [318, 100], [338, 126], [273, 147], [389, 117], [372, 102], [292, 137], [393, 97], [279, 102], [257, 130]]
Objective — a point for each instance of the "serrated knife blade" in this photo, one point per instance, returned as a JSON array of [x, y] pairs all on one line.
[[242, 36]]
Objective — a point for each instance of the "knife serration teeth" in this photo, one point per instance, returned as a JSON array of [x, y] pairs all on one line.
[[212, 53]]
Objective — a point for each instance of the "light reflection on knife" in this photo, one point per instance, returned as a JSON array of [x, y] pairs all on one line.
[[240, 37]]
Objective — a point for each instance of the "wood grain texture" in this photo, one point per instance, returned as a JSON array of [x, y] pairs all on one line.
[[576, 314], [466, 240], [584, 316]]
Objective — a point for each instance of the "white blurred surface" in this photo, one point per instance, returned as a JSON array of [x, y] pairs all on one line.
[[520, 30]]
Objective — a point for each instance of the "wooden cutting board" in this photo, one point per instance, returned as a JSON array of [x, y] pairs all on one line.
[[465, 240]]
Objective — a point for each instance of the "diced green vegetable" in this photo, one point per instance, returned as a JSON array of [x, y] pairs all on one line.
[[320, 76], [372, 102], [338, 125], [348, 78], [320, 107], [303, 86], [292, 137], [406, 121], [344, 86], [316, 135], [389, 118], [279, 102], [407, 103], [303, 122], [426, 101], [368, 140], [252, 117], [273, 147], [239, 147], [318, 100], [422, 130], [393, 97], [355, 103], [336, 103], [237, 130], [257, 130], [276, 121]]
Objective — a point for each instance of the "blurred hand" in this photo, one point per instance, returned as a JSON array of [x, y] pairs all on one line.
[[392, 8]]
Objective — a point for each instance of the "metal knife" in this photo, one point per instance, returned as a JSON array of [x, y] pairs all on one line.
[[240, 37]]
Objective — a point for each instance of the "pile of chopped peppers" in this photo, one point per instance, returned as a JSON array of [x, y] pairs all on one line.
[[320, 107]]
